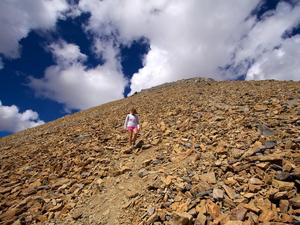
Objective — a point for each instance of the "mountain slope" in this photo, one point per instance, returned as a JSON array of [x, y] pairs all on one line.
[[209, 152]]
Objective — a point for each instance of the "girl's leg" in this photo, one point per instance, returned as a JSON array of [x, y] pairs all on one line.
[[135, 133], [130, 137]]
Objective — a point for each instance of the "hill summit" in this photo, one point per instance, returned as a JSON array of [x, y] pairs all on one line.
[[209, 152]]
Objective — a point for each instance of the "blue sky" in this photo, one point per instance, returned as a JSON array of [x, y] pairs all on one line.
[[59, 57]]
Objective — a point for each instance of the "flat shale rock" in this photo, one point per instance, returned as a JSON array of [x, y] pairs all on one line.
[[208, 153], [208, 177], [218, 193], [295, 202]]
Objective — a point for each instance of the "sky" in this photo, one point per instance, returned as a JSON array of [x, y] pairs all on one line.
[[61, 56]]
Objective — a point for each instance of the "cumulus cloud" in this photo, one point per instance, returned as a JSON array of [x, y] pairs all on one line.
[[187, 38], [76, 86], [67, 54], [273, 54], [281, 63], [12, 120], [195, 38], [17, 18]]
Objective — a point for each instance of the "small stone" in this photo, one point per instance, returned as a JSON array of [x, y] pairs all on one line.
[[295, 202], [124, 169], [234, 222], [106, 212], [167, 180], [263, 203], [284, 205], [56, 207], [192, 212], [201, 219], [187, 145], [294, 212], [150, 210], [282, 185], [139, 144], [218, 163], [263, 165], [181, 218], [238, 213], [196, 158], [152, 219], [286, 218], [76, 214], [249, 195], [17, 222], [280, 195], [127, 151], [5, 190], [282, 175], [213, 209], [147, 146], [269, 145], [297, 140], [254, 188], [157, 223], [155, 141], [42, 218], [287, 166], [236, 153], [265, 158], [266, 215], [265, 130], [218, 193], [254, 148], [131, 193], [142, 173], [250, 206], [147, 162], [208, 177], [201, 207], [256, 181], [230, 181], [253, 218], [10, 214], [230, 192]]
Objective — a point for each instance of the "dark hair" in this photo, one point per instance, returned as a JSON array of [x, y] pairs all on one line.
[[133, 111]]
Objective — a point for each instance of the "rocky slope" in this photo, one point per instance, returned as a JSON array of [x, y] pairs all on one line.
[[208, 153]]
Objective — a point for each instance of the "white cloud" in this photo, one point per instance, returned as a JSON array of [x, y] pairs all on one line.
[[187, 38], [264, 38], [18, 17], [77, 87], [281, 63], [192, 38], [67, 54], [11, 120]]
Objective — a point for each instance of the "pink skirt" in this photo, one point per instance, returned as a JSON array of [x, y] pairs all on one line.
[[132, 128]]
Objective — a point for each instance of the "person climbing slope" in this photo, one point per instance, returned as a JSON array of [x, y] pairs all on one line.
[[132, 124]]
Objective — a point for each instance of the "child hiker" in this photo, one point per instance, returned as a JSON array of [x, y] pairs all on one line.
[[132, 124]]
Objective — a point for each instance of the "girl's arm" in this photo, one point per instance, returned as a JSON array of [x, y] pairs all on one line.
[[125, 123]]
